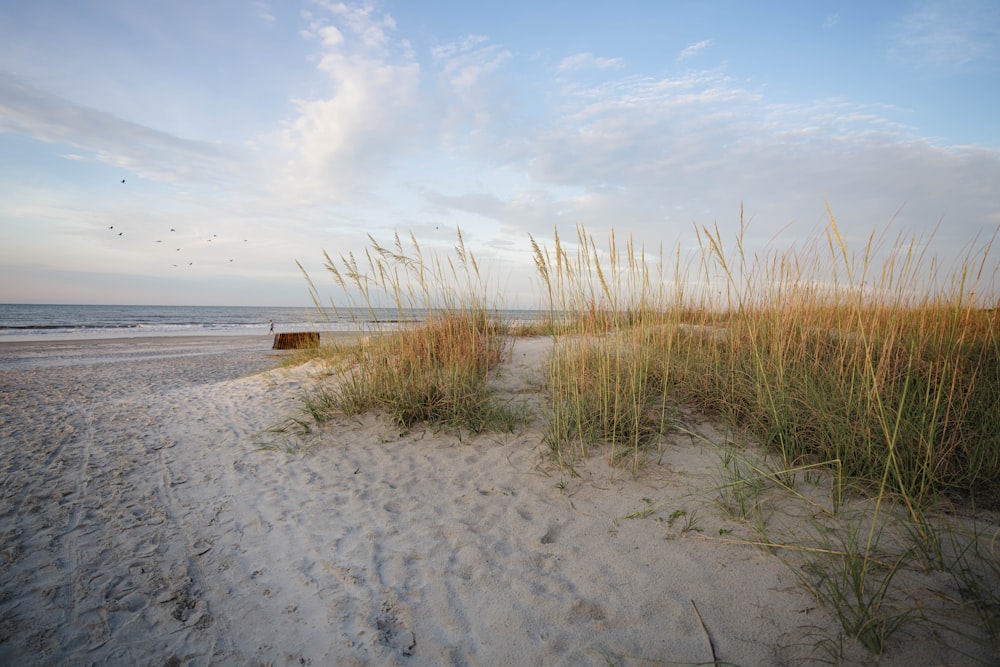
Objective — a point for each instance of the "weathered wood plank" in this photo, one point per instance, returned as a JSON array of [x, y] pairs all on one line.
[[295, 340]]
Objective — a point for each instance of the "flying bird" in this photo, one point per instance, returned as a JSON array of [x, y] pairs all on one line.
[[123, 180], [120, 233], [172, 229], [111, 227]]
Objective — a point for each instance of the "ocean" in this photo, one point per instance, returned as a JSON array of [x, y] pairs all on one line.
[[73, 322]]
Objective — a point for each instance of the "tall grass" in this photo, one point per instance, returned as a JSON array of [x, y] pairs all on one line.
[[868, 361], [865, 360], [822, 354], [436, 371], [608, 376]]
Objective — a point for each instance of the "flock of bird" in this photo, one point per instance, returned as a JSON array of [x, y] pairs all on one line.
[[172, 229]]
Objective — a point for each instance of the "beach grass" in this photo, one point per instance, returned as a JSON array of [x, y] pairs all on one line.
[[818, 354], [865, 363], [435, 371], [872, 367], [873, 359]]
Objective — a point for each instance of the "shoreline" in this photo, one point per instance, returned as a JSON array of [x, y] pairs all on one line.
[[154, 338], [47, 353]]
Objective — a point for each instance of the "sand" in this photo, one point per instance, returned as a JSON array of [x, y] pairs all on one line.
[[146, 520]]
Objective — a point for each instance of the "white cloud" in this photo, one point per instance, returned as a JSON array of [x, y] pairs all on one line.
[[469, 92], [32, 112], [330, 36], [339, 140], [364, 22], [653, 156], [263, 11], [947, 34], [464, 64], [581, 61], [694, 49], [450, 50]]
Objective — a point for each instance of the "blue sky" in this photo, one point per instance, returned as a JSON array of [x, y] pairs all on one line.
[[263, 133]]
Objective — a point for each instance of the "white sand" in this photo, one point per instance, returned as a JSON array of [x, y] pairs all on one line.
[[142, 523]]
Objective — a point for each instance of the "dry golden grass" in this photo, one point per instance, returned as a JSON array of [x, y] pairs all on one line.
[[865, 364]]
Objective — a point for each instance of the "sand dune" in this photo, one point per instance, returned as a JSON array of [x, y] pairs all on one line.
[[145, 521]]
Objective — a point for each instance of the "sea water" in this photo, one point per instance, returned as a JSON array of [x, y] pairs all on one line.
[[73, 322]]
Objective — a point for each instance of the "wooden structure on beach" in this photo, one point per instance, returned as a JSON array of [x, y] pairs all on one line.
[[295, 340]]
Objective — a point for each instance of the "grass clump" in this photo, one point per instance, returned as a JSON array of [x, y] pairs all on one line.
[[820, 354], [607, 374], [856, 582], [896, 382], [605, 394], [868, 364], [435, 370]]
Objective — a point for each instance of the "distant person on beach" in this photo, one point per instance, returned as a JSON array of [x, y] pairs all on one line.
[[272, 327]]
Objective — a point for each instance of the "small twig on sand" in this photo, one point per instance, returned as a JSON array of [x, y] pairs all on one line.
[[715, 659]]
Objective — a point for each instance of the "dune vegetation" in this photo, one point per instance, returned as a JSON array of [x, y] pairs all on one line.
[[434, 372], [873, 368], [886, 371]]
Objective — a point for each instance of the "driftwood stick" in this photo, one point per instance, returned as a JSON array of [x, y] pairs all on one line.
[[715, 658]]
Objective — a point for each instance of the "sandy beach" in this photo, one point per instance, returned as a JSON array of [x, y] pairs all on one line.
[[147, 519]]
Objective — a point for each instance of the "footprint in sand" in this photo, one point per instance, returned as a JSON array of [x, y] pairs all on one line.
[[585, 610], [393, 633]]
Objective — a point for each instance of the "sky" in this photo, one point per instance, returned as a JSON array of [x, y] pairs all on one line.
[[192, 153]]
